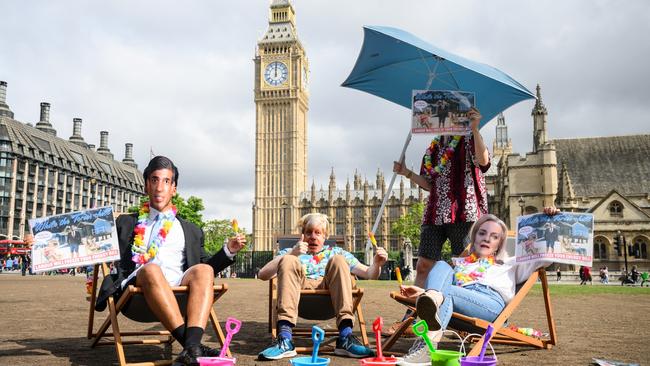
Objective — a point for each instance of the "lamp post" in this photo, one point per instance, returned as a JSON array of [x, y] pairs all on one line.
[[522, 203]]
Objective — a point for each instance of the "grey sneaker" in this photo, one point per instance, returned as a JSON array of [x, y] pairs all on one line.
[[418, 355]]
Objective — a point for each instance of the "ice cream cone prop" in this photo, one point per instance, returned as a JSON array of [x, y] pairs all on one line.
[[398, 273]]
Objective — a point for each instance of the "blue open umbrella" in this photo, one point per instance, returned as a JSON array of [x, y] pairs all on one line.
[[393, 62]]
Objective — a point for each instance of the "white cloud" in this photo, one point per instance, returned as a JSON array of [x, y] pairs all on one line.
[[178, 77]]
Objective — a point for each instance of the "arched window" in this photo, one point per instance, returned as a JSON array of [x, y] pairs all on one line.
[[600, 248], [640, 248], [530, 210], [615, 208]]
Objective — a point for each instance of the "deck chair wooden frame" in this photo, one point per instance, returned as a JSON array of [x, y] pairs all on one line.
[[315, 298], [104, 338], [502, 334]]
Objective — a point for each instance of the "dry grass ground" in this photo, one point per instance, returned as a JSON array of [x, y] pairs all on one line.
[[44, 322]]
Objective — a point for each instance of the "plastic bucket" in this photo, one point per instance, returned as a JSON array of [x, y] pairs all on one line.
[[474, 361], [216, 361], [372, 361], [306, 361], [444, 357]]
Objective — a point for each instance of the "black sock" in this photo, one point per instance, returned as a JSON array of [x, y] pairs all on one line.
[[179, 334], [193, 336]]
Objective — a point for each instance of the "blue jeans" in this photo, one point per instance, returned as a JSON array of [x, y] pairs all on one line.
[[474, 300]]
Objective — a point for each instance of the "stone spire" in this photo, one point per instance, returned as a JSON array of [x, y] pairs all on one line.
[[5, 111], [502, 144], [332, 184], [380, 180], [539, 114], [44, 123]]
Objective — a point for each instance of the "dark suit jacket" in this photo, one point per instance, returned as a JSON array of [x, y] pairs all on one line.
[[194, 254]]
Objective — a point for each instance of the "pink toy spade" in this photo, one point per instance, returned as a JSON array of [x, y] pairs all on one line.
[[380, 359], [232, 327]]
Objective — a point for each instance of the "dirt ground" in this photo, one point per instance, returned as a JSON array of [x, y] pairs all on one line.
[[44, 322]]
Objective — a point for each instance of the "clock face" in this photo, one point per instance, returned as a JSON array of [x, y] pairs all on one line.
[[276, 73]]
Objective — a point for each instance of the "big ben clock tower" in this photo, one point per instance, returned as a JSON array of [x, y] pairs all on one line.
[[281, 104]]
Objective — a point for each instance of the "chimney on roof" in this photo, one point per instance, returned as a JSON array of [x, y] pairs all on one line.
[[128, 156], [44, 123], [4, 108], [103, 144], [76, 133]]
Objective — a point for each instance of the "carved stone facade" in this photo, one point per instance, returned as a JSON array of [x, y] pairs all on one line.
[[281, 104], [353, 210], [606, 176]]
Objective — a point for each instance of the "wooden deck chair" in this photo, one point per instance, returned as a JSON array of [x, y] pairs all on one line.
[[502, 334], [132, 305], [314, 304]]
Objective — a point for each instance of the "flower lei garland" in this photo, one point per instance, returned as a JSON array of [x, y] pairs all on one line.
[[143, 253], [446, 156], [464, 275]]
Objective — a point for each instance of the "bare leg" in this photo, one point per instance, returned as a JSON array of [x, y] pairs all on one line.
[[159, 296], [422, 270], [200, 279]]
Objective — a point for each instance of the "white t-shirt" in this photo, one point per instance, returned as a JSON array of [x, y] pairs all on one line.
[[503, 278]]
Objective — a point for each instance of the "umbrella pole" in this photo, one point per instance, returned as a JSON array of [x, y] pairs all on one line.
[[369, 256]]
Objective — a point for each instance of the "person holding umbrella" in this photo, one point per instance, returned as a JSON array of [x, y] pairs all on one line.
[[452, 171]]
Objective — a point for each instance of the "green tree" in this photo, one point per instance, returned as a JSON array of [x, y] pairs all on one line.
[[216, 233], [408, 226], [190, 210]]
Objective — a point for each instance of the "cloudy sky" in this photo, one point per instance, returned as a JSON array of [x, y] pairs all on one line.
[[177, 77]]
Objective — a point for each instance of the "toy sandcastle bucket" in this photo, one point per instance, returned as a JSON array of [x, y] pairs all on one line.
[[481, 359], [317, 336], [380, 359], [232, 327], [439, 357]]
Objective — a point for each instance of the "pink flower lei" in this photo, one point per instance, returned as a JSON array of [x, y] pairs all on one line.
[[143, 253], [446, 156]]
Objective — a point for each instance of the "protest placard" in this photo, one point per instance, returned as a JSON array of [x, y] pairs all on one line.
[[441, 112], [74, 239], [563, 238]]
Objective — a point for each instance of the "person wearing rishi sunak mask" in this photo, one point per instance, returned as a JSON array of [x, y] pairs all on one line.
[[159, 250]]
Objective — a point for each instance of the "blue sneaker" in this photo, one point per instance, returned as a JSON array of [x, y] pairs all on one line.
[[351, 347], [280, 348]]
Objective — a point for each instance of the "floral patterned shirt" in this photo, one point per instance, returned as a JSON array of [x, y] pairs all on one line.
[[314, 264], [458, 193]]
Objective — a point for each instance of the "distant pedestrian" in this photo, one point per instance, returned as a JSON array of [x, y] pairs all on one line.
[[644, 278], [559, 274], [585, 275], [604, 275]]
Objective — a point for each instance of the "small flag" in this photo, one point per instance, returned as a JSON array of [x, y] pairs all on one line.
[[235, 225]]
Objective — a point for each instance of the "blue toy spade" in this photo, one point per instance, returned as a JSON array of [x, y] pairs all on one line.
[[317, 336]]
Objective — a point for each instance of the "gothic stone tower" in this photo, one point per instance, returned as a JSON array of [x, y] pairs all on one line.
[[281, 104]]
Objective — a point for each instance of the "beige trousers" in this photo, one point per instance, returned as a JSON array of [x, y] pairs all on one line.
[[291, 279]]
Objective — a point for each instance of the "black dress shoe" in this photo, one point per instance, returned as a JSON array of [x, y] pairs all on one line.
[[209, 351], [188, 356]]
